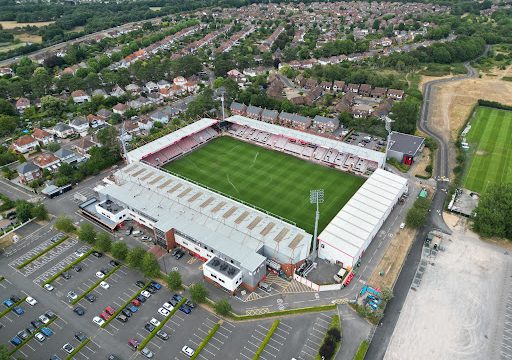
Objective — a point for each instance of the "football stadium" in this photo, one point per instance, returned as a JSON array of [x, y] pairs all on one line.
[[236, 194]]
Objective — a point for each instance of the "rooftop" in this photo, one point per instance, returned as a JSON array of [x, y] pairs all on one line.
[[405, 143]]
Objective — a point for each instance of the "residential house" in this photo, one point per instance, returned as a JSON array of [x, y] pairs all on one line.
[[310, 83], [6, 71], [395, 94], [117, 91], [43, 136], [365, 90], [84, 145], [237, 108], [22, 104], [378, 93], [294, 120], [361, 110], [133, 89], [179, 81], [191, 86], [270, 116], [99, 93], [28, 172], [139, 102], [160, 116], [313, 95], [172, 111], [254, 112], [95, 121], [352, 88], [150, 87], [155, 98], [297, 100], [131, 127], [252, 72], [384, 108], [275, 89], [68, 156], [25, 144], [145, 123], [326, 85], [300, 80], [80, 96], [120, 109], [338, 85], [80, 124], [325, 124], [62, 130], [47, 161], [237, 76], [163, 84], [104, 114]]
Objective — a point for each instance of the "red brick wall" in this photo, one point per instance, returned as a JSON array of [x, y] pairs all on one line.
[[171, 240]]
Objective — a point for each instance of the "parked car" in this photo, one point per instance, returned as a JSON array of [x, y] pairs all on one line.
[[15, 298], [72, 295], [147, 353], [68, 348], [167, 306], [66, 275], [129, 231], [79, 253], [23, 334], [133, 309], [46, 331], [162, 311], [36, 324], [154, 322], [114, 263], [149, 327], [80, 336], [109, 310], [402, 226], [8, 303], [39, 337], [97, 254], [180, 254], [48, 287], [44, 319], [16, 341], [98, 321], [175, 251], [133, 344], [79, 310], [156, 285], [140, 298], [77, 267], [100, 275], [162, 335], [173, 302], [90, 297], [151, 290], [18, 310], [136, 302], [126, 312], [104, 316], [184, 308], [187, 351], [140, 283], [146, 294], [122, 318], [50, 315], [177, 297], [104, 271], [31, 301], [104, 285], [190, 304], [113, 357]]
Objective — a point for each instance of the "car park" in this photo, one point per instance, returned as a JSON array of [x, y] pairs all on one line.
[[147, 353], [97, 254], [98, 321], [114, 263], [187, 351], [154, 322], [90, 297], [162, 335], [100, 275], [46, 331], [164, 312], [68, 348], [149, 327], [77, 267], [79, 310], [66, 275], [18, 310], [109, 310], [23, 334], [48, 287], [44, 319], [31, 301], [50, 315], [15, 298], [104, 285], [167, 306], [122, 318], [126, 312], [146, 294], [80, 336], [39, 337], [184, 308], [8, 303], [136, 302], [16, 341], [104, 316]]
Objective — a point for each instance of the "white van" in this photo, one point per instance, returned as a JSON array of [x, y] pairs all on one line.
[[339, 275], [136, 233]]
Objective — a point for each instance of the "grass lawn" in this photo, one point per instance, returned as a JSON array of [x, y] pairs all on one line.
[[276, 182], [490, 140]]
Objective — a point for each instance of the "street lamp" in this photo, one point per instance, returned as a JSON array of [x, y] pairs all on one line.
[[387, 125], [316, 197]]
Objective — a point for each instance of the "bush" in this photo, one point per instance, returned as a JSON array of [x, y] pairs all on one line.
[[150, 265], [494, 212], [135, 257], [86, 233], [103, 242], [222, 307], [327, 350], [64, 223], [174, 280], [40, 212], [119, 250], [335, 334], [198, 293], [428, 169]]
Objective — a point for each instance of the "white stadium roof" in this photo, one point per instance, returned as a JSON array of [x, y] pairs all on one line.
[[169, 139], [235, 229], [355, 225], [343, 147]]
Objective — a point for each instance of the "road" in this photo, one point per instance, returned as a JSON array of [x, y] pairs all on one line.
[[383, 333]]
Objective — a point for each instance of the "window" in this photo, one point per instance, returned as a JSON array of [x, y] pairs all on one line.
[[322, 246], [213, 276]]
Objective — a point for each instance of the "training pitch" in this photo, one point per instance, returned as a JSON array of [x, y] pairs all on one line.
[[490, 140], [273, 181]]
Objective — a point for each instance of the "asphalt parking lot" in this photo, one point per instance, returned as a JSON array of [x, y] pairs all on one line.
[[361, 139]]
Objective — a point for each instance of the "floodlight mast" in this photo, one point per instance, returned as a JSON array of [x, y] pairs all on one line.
[[316, 197], [387, 125]]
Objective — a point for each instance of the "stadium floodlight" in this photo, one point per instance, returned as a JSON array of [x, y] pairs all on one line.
[[387, 125], [316, 197]]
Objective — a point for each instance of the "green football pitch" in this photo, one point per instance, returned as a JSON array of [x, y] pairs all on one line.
[[273, 181], [490, 141]]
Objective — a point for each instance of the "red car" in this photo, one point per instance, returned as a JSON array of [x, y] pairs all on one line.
[[109, 310], [136, 302], [105, 316]]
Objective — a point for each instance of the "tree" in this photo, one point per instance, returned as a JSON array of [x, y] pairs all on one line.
[[327, 349], [52, 105], [387, 294], [23, 210], [198, 293], [174, 280], [86, 233], [135, 257], [494, 211], [6, 108], [119, 250], [150, 265], [222, 307], [418, 213], [103, 242], [4, 352], [7, 124], [40, 212], [64, 223]]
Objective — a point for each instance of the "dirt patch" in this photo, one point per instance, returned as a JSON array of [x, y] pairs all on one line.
[[6, 240], [34, 39], [392, 261], [425, 79], [481, 152], [9, 25], [421, 164]]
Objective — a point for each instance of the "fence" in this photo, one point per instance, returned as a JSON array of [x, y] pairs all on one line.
[[315, 286]]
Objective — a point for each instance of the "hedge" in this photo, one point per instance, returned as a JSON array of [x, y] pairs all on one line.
[[494, 104], [266, 340], [162, 323], [25, 263], [284, 312], [2, 278], [67, 267], [74, 352], [95, 285], [205, 341], [335, 324], [30, 337], [361, 351], [118, 311], [9, 309]]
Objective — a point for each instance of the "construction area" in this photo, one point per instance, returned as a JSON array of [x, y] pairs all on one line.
[[459, 307]]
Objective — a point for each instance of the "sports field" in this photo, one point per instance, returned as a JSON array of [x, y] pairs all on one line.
[[276, 182], [490, 141]]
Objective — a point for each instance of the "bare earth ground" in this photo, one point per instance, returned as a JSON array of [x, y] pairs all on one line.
[[6, 240], [457, 312], [9, 25], [393, 259], [421, 164], [35, 39]]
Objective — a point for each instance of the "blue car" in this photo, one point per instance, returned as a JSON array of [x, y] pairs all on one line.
[[46, 331], [8, 303], [133, 308], [177, 297], [18, 310], [156, 285], [185, 309], [16, 341], [141, 298]]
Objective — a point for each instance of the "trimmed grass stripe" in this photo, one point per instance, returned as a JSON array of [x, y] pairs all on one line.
[[67, 267], [304, 310], [266, 340], [361, 351], [143, 344], [37, 256], [6, 311], [95, 285], [276, 182], [490, 153], [77, 350], [205, 341]]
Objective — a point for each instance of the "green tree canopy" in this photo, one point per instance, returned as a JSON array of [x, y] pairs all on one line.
[[86, 233], [119, 250], [174, 280], [64, 223], [494, 212], [222, 307], [103, 242], [150, 265], [198, 293], [135, 257]]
